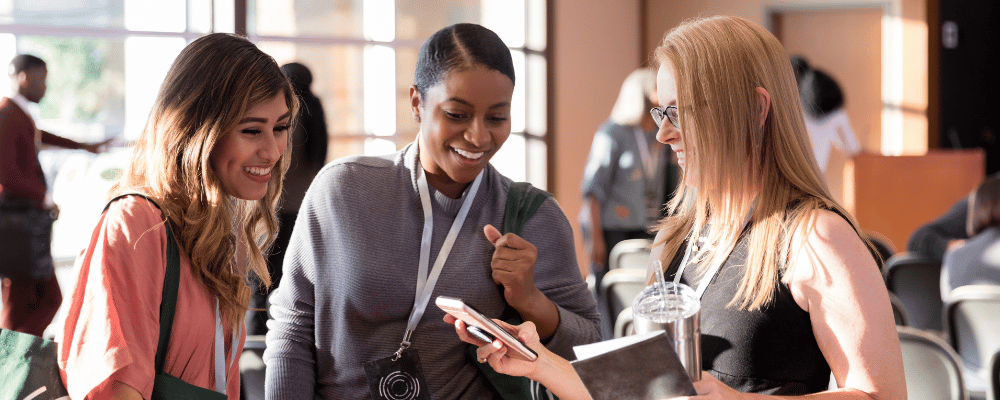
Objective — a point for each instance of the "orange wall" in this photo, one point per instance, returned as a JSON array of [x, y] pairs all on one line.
[[595, 45]]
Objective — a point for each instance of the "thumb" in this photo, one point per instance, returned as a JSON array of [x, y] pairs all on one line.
[[492, 234]]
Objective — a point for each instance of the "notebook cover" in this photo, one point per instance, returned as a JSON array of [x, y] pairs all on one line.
[[646, 370]]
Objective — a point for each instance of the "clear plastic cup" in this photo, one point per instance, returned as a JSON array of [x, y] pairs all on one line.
[[676, 309]]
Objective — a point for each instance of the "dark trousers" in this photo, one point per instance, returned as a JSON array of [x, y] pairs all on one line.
[[29, 304], [256, 320]]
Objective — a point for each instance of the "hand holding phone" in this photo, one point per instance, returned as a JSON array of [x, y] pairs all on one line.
[[484, 328]]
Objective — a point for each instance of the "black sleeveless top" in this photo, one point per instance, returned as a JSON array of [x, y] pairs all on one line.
[[771, 350]]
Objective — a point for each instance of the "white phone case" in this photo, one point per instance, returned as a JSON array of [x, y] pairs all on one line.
[[473, 317]]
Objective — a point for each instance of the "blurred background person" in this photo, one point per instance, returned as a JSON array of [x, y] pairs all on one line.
[[628, 174], [823, 106], [308, 154], [30, 297], [976, 261]]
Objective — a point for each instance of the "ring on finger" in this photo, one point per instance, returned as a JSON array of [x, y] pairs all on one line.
[[481, 360]]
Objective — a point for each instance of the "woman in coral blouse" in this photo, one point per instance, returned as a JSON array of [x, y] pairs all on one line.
[[211, 161]]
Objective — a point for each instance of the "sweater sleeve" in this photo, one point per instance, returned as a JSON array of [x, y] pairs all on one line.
[[290, 354], [931, 240], [558, 277]]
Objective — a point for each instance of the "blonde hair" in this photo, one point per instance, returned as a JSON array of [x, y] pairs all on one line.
[[633, 98], [210, 87], [718, 63]]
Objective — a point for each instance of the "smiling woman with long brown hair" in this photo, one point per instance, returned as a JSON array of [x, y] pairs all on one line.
[[208, 167]]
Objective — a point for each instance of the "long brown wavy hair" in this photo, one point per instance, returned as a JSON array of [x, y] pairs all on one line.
[[210, 87], [718, 63]]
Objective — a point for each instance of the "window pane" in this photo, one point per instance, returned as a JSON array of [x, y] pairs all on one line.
[[88, 13], [337, 18], [418, 20], [157, 16], [536, 83], [147, 60], [85, 95], [535, 16], [517, 104], [511, 157], [536, 156], [406, 65], [8, 49], [380, 87], [506, 18], [337, 81]]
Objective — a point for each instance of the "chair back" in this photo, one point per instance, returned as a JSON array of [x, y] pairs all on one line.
[[916, 281], [994, 392], [972, 317], [623, 324], [630, 253], [620, 286], [898, 310], [933, 370], [881, 249]]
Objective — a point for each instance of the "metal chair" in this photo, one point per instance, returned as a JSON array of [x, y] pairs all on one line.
[[620, 286], [916, 281], [971, 317], [933, 370], [630, 253]]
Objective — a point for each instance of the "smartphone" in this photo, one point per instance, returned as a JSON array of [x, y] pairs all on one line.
[[484, 328]]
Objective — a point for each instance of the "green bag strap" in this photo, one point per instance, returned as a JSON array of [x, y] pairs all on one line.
[[523, 200], [171, 282]]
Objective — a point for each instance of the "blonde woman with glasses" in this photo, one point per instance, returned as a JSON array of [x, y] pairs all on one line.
[[789, 291]]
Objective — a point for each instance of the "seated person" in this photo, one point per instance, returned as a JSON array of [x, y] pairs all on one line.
[[977, 261]]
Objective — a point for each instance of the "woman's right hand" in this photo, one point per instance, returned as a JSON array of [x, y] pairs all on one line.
[[496, 352]]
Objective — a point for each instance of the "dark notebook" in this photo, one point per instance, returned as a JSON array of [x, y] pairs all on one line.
[[634, 367]]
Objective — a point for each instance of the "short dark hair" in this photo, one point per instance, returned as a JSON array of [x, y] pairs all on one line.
[[820, 93], [299, 75], [24, 62], [460, 46], [984, 206]]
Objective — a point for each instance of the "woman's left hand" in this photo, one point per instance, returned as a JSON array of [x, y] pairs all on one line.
[[709, 388], [513, 266]]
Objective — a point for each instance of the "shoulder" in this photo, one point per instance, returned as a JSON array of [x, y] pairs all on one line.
[[361, 167], [821, 231], [132, 216], [826, 252]]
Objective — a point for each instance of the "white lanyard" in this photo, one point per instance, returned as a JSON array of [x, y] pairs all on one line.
[[425, 281], [714, 269], [220, 357]]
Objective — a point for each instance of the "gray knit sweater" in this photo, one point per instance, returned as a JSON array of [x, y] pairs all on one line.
[[350, 279]]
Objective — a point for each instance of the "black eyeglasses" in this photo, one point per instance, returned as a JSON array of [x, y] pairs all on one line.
[[668, 112]]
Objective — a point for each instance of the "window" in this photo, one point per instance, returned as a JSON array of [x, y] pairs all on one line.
[[107, 59], [362, 54]]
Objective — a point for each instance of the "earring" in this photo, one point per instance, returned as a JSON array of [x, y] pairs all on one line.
[[416, 117]]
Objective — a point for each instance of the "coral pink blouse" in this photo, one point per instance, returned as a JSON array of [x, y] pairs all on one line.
[[113, 326]]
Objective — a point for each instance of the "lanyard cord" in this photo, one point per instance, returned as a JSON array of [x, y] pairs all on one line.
[[425, 281], [714, 269], [220, 363]]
